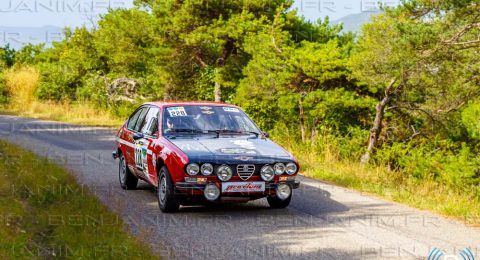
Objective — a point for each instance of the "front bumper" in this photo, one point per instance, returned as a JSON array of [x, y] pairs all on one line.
[[195, 188]]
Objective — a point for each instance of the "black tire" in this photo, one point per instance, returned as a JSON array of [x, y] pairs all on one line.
[[127, 180], [165, 192], [277, 203]]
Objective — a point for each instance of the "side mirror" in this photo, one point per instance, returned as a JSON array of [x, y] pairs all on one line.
[[266, 134], [137, 136]]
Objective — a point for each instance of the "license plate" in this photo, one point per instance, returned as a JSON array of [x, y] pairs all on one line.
[[243, 186]]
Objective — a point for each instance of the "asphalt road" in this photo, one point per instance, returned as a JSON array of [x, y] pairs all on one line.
[[322, 222]]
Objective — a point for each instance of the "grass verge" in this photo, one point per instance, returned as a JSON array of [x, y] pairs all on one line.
[[426, 194], [44, 213], [80, 113]]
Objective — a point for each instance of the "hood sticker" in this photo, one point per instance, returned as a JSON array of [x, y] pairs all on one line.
[[244, 144], [237, 151]]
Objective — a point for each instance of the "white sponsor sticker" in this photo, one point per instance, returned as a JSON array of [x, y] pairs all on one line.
[[244, 144], [177, 111], [231, 109], [237, 151], [243, 186]]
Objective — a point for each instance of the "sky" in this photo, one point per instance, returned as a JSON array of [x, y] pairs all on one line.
[[36, 21]]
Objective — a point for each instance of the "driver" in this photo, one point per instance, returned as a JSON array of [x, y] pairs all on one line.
[[170, 125]]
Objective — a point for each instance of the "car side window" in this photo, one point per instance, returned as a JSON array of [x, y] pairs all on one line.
[[133, 119], [141, 120], [150, 125]]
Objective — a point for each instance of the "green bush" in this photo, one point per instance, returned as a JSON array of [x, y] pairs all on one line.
[[471, 120], [445, 162], [3, 90]]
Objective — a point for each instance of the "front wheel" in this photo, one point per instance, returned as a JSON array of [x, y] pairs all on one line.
[[127, 180], [166, 197], [277, 203]]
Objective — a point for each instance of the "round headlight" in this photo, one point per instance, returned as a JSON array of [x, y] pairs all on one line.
[[283, 191], [193, 169], [211, 192], [206, 169], [224, 173], [279, 168], [267, 173], [291, 168]]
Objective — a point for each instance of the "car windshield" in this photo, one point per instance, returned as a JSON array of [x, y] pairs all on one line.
[[207, 119]]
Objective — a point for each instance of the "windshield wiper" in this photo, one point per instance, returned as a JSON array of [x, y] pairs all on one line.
[[192, 131], [185, 130], [221, 131]]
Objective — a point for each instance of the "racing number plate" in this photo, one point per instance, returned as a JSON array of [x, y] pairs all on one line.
[[258, 186]]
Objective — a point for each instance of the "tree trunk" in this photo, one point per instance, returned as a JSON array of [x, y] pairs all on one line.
[[314, 131], [377, 123], [217, 92], [302, 118], [228, 49]]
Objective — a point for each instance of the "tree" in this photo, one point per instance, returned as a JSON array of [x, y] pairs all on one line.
[[300, 80], [28, 54], [208, 36], [421, 60], [7, 56]]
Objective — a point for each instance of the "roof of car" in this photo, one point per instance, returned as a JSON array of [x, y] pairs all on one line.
[[186, 103]]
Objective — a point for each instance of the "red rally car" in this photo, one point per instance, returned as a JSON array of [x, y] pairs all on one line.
[[196, 152]]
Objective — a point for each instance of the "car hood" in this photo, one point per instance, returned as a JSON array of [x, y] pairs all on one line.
[[231, 150]]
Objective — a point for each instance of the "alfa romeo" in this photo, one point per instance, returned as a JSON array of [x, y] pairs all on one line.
[[197, 152]]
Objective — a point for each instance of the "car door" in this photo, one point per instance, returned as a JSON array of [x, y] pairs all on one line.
[[145, 146], [134, 120]]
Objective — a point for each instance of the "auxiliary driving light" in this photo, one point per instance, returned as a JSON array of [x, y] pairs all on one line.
[[211, 192], [193, 169], [267, 173], [279, 168], [283, 191], [224, 172], [291, 168], [206, 169]]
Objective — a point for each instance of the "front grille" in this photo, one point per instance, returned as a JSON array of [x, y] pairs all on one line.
[[245, 171]]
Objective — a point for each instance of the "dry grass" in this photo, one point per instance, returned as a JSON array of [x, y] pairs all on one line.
[[77, 113], [21, 83]]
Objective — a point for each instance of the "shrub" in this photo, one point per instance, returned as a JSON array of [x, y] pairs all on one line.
[[21, 84], [3, 90], [471, 120]]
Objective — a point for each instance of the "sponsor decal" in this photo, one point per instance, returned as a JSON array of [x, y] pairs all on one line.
[[205, 108], [231, 109], [237, 151], [177, 111], [243, 187], [244, 144], [243, 158], [207, 112]]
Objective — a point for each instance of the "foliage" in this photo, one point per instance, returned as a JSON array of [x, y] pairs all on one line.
[[471, 120]]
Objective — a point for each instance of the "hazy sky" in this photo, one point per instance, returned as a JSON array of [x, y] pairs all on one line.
[[61, 13]]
